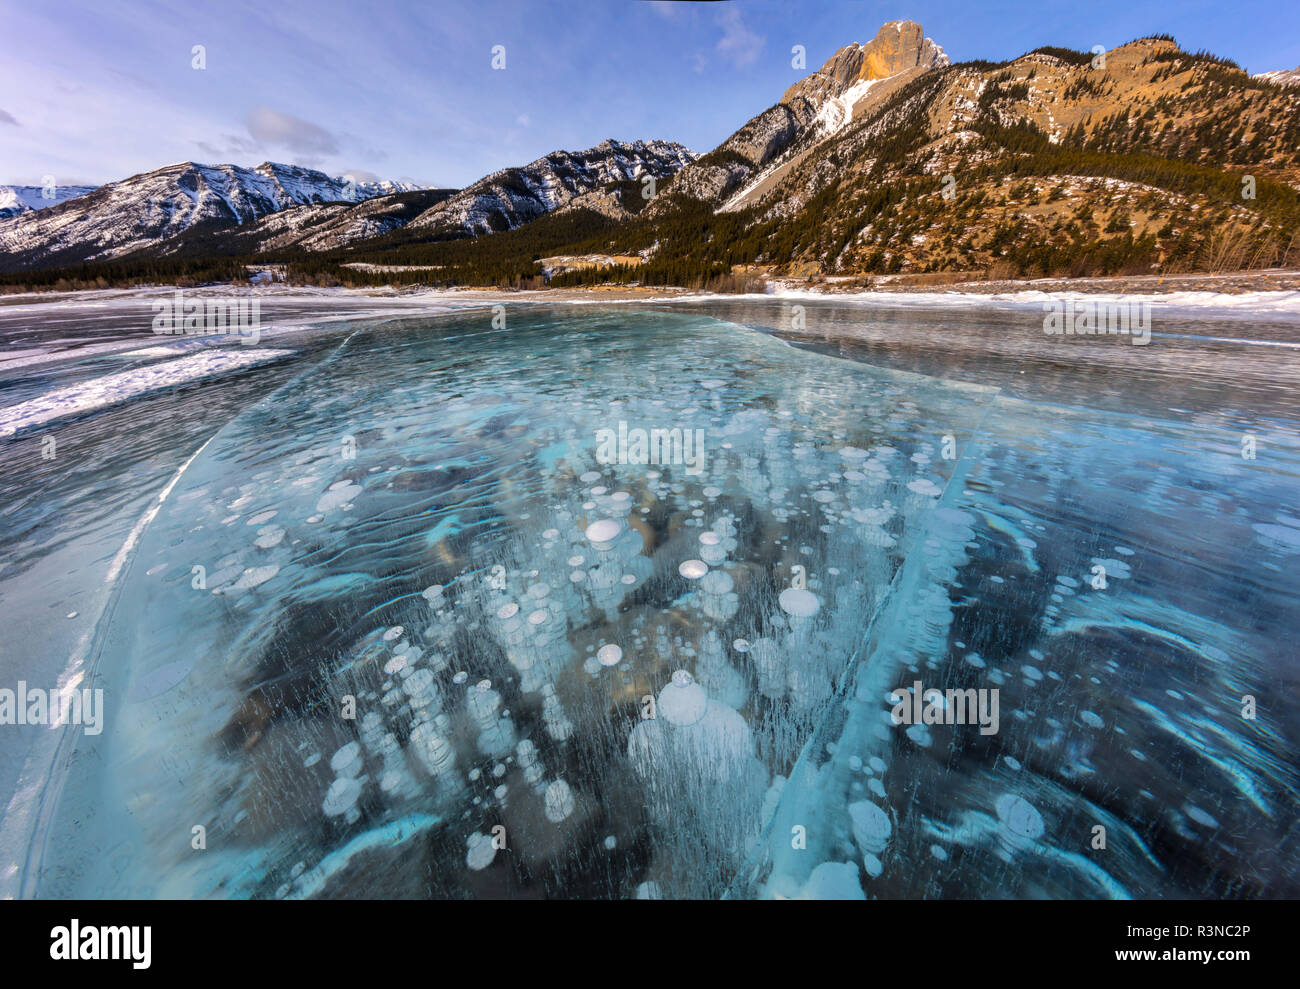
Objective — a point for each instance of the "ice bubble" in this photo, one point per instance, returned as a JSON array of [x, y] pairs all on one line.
[[871, 826], [507, 610], [693, 569], [649, 891], [1283, 536], [339, 494], [717, 582], [939, 852], [712, 492], [394, 665], [683, 702], [1200, 816], [576, 561], [558, 801], [609, 655], [798, 602], [432, 594], [460, 677], [538, 617], [621, 496], [710, 538], [833, 881], [340, 797], [481, 852], [599, 490], [604, 531], [611, 842], [1090, 719], [1019, 816], [269, 537], [741, 645], [873, 865], [394, 633], [589, 477], [551, 534], [254, 576], [924, 486]]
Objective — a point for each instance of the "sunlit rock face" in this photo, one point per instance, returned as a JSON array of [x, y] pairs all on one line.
[[899, 46]]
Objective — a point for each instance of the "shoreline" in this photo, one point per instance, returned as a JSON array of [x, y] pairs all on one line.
[[1262, 284]]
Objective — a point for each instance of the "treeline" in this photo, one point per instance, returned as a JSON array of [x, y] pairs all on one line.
[[127, 273]]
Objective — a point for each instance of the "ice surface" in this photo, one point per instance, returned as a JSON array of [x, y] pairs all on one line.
[[398, 631]]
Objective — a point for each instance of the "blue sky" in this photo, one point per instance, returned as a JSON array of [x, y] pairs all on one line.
[[96, 91]]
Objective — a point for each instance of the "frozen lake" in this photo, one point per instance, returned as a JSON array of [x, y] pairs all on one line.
[[613, 600]]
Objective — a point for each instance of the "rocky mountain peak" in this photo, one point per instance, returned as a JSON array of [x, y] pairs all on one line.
[[897, 47]]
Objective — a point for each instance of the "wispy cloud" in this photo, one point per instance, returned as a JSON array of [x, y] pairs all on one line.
[[738, 43], [272, 127], [8, 118]]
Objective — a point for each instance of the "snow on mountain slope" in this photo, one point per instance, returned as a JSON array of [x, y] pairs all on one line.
[[1283, 77], [511, 197], [137, 212], [15, 199]]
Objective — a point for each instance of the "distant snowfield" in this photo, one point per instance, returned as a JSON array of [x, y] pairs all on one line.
[[113, 389]]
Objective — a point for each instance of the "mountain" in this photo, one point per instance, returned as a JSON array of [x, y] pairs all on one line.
[[15, 199], [504, 200], [1283, 77], [313, 227], [189, 210], [122, 217], [890, 161], [854, 79], [512, 197], [886, 161]]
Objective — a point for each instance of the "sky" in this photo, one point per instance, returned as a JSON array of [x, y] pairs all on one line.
[[92, 92]]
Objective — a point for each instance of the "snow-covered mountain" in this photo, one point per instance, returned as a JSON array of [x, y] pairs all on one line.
[[313, 227], [512, 197], [192, 208], [1283, 77], [369, 190], [15, 199], [140, 211]]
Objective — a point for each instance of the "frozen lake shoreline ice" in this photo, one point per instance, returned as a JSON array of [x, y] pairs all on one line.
[[444, 499]]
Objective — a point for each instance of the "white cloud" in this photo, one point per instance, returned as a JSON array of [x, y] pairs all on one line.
[[301, 136], [739, 44]]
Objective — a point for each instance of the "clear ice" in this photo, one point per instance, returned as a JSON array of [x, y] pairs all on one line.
[[398, 632]]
